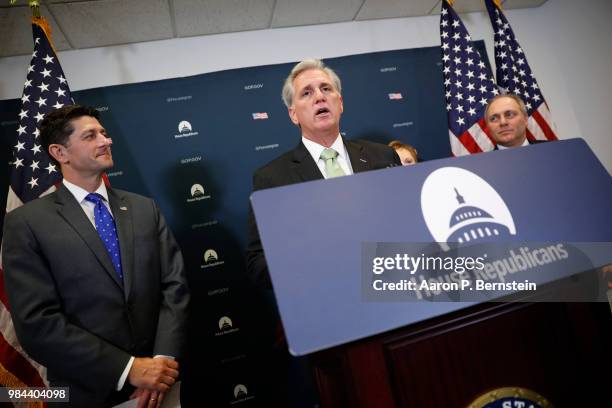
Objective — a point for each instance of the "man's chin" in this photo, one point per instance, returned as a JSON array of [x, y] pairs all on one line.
[[107, 164]]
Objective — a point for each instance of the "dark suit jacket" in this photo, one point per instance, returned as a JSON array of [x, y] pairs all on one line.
[[297, 166], [70, 310]]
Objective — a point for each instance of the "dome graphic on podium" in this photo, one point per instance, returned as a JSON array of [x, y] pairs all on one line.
[[459, 207]]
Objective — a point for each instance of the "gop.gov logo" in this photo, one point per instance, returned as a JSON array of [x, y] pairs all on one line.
[[460, 207]]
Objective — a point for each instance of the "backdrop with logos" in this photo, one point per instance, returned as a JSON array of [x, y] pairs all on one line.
[[193, 143]]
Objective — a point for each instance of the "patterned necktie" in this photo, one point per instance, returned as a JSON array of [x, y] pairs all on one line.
[[105, 225], [332, 167]]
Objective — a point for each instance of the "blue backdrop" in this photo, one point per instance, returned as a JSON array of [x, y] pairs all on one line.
[[193, 144]]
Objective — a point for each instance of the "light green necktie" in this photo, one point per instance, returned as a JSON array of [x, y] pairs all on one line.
[[332, 168]]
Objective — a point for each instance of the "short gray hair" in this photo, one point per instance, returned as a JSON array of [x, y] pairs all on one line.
[[288, 91], [514, 97]]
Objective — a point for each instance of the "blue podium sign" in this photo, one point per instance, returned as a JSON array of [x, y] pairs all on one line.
[[315, 234]]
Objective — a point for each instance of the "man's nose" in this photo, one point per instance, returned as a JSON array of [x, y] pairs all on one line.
[[319, 96], [105, 140]]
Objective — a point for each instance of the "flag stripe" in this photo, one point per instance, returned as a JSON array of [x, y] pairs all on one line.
[[457, 147], [534, 129], [549, 134], [18, 365]]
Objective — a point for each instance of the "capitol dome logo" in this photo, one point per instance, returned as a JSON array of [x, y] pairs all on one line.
[[225, 323], [240, 391], [185, 130], [211, 259], [460, 207], [184, 127], [197, 193], [210, 256], [197, 190], [241, 394], [226, 326]]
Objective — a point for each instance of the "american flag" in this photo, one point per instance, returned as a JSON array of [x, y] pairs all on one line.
[[468, 85], [514, 76], [32, 175], [395, 96], [260, 115]]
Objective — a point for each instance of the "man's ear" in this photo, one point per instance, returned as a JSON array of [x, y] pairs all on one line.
[[293, 115], [58, 152]]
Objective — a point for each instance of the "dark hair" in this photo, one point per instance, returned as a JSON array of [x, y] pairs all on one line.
[[57, 126]]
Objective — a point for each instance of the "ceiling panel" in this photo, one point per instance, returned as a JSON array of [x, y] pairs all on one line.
[[196, 17], [468, 6], [108, 22], [16, 31], [93, 23], [299, 12], [372, 9]]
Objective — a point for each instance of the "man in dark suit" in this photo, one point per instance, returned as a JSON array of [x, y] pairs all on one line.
[[312, 94], [94, 277], [506, 117]]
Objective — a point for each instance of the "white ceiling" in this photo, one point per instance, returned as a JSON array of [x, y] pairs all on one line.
[[95, 23]]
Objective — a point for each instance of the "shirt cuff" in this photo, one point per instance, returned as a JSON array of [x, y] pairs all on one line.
[[125, 373]]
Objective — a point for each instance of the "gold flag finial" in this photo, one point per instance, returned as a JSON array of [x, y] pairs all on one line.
[[35, 6], [498, 3]]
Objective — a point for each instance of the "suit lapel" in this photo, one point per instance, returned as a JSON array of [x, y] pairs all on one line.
[[305, 166], [74, 215], [356, 153], [125, 232]]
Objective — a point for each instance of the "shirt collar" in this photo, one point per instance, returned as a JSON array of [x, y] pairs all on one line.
[[525, 143], [80, 193], [316, 149]]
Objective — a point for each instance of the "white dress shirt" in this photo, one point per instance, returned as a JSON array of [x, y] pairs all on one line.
[[316, 149], [88, 207], [525, 143]]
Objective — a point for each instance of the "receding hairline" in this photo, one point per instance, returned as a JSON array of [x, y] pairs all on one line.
[[288, 91], [515, 98]]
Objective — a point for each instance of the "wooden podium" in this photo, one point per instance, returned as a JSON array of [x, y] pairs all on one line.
[[559, 350]]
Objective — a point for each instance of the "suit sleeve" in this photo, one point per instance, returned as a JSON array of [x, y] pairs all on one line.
[[44, 331], [171, 324], [257, 268]]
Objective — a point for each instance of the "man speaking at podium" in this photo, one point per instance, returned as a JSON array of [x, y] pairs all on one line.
[[312, 94], [94, 277]]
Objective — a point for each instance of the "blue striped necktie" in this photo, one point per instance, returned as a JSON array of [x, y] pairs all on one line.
[[105, 225]]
